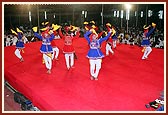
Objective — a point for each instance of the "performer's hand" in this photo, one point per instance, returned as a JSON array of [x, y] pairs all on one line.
[[110, 31], [34, 29], [149, 26], [153, 24], [50, 32], [92, 30]]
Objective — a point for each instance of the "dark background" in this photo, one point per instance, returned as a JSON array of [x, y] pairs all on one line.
[[17, 14]]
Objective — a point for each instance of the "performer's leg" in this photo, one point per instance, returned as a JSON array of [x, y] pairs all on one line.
[[107, 49], [67, 61], [110, 49], [56, 53], [72, 59], [17, 53], [98, 67], [48, 62], [53, 53], [114, 43], [92, 68], [145, 52], [149, 50]]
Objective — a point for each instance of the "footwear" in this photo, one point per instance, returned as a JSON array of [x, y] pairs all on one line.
[[143, 58], [21, 60], [96, 79], [72, 66], [68, 68], [92, 78], [49, 71], [153, 24], [56, 59]]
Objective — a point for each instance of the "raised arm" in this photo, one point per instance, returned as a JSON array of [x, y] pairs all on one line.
[[86, 36], [52, 36], [150, 32], [19, 35], [100, 34], [105, 38], [60, 33], [37, 35], [77, 35]]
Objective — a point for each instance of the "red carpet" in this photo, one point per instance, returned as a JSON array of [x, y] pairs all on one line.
[[126, 83]]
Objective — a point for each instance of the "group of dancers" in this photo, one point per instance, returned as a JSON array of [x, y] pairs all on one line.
[[50, 51]]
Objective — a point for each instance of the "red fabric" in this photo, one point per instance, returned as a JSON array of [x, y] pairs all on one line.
[[68, 49], [126, 83], [45, 32], [68, 42], [108, 28], [55, 33], [53, 44]]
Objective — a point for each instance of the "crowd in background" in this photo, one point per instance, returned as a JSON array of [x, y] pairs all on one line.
[[133, 37]]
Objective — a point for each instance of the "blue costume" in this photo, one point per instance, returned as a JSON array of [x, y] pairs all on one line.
[[20, 42], [145, 42], [114, 37], [95, 52], [146, 34], [46, 43]]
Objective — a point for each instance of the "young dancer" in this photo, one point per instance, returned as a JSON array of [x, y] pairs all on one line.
[[109, 41], [95, 55], [53, 44], [68, 48], [19, 44], [109, 47], [146, 42], [46, 48]]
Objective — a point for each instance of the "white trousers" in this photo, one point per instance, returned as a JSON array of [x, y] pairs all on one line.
[[55, 52], [48, 61], [7, 43], [17, 53], [108, 49], [95, 66], [114, 43], [147, 51], [69, 58]]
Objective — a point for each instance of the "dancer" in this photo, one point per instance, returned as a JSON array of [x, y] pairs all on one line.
[[53, 44], [145, 42], [109, 41], [91, 25], [73, 30], [95, 55], [46, 48], [109, 47], [114, 37], [19, 44], [68, 48]]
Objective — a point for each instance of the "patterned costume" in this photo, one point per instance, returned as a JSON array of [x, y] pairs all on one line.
[[109, 41], [53, 44], [46, 42], [145, 42], [113, 36], [95, 54], [19, 44], [68, 48], [46, 48], [109, 47]]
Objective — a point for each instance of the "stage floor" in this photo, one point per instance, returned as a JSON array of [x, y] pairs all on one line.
[[126, 82]]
